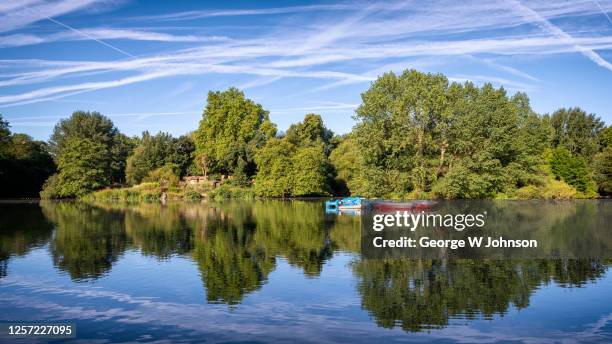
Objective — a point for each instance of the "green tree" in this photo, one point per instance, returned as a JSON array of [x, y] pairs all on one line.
[[153, 152], [232, 128], [401, 124], [605, 137], [5, 134], [577, 131], [311, 131], [274, 177], [98, 163], [24, 163], [348, 163], [310, 172], [28, 166], [83, 167], [602, 165], [297, 164], [418, 133], [121, 149], [182, 154], [572, 169]]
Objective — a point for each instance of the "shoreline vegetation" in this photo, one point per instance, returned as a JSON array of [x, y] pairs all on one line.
[[417, 136]]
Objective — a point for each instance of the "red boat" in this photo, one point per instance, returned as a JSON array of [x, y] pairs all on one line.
[[413, 205]]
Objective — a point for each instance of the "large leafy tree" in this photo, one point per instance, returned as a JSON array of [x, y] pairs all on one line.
[[296, 165], [151, 152], [573, 170], [231, 129], [97, 128], [275, 166], [311, 131], [155, 151], [418, 133], [24, 163], [310, 172], [83, 167], [577, 131], [102, 149], [5, 134], [348, 162], [398, 129], [82, 125], [602, 164]]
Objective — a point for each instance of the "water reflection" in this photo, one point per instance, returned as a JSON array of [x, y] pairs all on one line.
[[87, 240], [422, 294], [22, 227], [237, 245]]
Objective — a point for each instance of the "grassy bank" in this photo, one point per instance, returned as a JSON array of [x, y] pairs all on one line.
[[154, 192], [547, 188]]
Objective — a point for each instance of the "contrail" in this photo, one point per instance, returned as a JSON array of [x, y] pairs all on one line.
[[602, 11], [528, 13], [91, 37]]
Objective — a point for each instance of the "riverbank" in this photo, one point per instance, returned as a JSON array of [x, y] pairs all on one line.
[[548, 188], [154, 192]]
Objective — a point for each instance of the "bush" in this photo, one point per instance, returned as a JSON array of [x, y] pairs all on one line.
[[226, 191], [192, 195], [573, 170], [134, 194], [528, 192], [51, 188], [550, 189], [164, 175]]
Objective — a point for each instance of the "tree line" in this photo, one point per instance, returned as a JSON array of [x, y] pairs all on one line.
[[417, 136]]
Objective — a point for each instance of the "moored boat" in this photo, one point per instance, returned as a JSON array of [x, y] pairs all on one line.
[[358, 203], [345, 203]]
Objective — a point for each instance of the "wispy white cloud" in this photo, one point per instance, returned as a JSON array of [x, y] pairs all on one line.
[[192, 15], [584, 49], [603, 11], [18, 14], [340, 44], [17, 40], [324, 106]]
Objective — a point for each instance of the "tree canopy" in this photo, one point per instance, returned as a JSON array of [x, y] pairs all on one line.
[[155, 151], [231, 129], [419, 133], [577, 131], [297, 164], [24, 163], [90, 154]]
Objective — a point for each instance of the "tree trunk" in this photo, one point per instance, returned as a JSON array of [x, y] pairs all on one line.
[[442, 151]]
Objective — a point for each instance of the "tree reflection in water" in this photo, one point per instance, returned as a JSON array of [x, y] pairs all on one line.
[[22, 227], [235, 246], [421, 294]]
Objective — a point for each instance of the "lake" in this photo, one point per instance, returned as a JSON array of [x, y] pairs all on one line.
[[285, 271]]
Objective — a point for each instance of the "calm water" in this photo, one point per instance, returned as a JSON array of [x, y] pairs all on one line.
[[285, 271]]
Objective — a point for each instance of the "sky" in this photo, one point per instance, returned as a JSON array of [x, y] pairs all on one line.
[[148, 65]]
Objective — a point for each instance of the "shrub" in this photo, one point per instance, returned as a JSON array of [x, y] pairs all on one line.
[[51, 188], [226, 191], [550, 189], [164, 175], [573, 170], [192, 195], [528, 192]]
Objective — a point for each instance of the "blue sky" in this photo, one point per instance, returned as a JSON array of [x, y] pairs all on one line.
[[148, 65]]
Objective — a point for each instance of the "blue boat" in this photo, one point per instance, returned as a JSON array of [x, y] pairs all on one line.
[[345, 203]]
